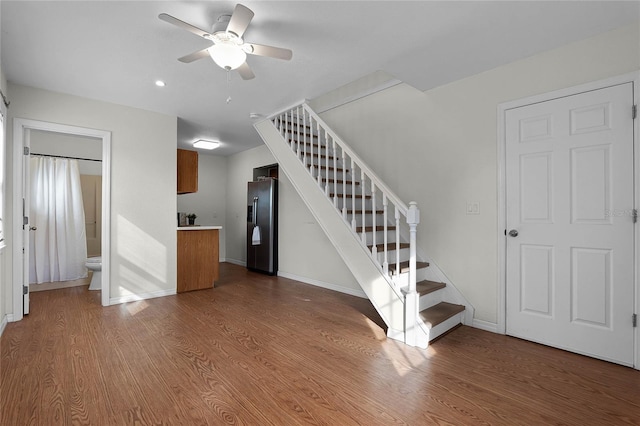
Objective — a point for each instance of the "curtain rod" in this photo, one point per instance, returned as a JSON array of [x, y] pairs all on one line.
[[62, 156]]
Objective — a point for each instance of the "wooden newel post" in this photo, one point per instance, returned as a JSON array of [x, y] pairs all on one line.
[[411, 298]]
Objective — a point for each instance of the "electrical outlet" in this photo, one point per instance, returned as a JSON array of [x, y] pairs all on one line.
[[473, 207]]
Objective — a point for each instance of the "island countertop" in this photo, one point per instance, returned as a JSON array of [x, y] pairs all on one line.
[[197, 228]]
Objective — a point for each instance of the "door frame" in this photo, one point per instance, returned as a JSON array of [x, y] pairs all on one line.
[[502, 216], [20, 128]]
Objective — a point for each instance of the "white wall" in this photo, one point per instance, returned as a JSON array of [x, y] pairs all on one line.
[[210, 202], [304, 251], [53, 143], [143, 184], [439, 148]]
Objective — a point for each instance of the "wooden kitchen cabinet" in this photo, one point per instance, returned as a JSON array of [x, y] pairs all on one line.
[[187, 171], [198, 259]]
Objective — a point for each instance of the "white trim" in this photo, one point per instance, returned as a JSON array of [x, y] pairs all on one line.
[[486, 326], [318, 283], [20, 125], [236, 262], [141, 296], [362, 94], [3, 323], [501, 145]]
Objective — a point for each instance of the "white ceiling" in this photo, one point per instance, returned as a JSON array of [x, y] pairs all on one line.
[[114, 51]]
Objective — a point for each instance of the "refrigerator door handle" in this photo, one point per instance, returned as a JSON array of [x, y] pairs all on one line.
[[255, 210]]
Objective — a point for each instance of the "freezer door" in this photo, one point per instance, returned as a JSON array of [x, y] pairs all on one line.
[[261, 226]]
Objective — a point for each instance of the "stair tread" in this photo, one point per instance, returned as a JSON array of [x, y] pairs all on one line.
[[358, 196], [295, 123], [439, 313], [378, 228], [390, 247], [301, 132], [332, 169], [426, 287], [367, 211], [404, 266], [340, 181], [315, 154]]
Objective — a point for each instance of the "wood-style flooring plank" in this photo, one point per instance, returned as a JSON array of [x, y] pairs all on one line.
[[262, 350]]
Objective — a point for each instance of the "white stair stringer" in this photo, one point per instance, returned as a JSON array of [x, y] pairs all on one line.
[[383, 294]]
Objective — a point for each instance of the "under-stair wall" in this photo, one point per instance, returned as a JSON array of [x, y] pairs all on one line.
[[383, 296], [372, 230]]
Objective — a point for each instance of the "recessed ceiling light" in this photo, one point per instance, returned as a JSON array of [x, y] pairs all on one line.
[[160, 83], [206, 144]]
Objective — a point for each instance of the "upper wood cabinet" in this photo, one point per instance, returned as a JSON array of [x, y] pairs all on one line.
[[187, 171]]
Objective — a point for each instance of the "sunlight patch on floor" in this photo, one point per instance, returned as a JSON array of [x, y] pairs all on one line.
[[404, 358], [135, 307]]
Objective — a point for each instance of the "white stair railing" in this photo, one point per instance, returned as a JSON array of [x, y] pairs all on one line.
[[326, 155]]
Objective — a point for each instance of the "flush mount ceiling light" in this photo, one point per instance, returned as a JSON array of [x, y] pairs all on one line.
[[204, 144], [160, 83]]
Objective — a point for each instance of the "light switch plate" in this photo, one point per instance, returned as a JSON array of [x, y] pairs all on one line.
[[473, 207]]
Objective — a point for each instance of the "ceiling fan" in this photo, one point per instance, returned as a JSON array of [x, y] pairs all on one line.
[[228, 49]]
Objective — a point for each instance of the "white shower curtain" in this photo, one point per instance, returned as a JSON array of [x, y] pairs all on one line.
[[58, 246]]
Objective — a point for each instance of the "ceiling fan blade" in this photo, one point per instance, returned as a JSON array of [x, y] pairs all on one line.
[[204, 53], [185, 26], [245, 72], [270, 51], [240, 19]]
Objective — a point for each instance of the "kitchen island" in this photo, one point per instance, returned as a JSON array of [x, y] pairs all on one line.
[[198, 257]]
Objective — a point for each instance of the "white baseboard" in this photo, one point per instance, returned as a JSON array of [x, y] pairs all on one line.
[[3, 323], [485, 325], [143, 296], [236, 262], [318, 283]]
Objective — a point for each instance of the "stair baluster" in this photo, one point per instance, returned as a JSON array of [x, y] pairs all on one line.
[[397, 215], [364, 210], [344, 186], [385, 208]]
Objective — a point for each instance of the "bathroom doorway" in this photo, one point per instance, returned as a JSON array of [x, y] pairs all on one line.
[[65, 182], [55, 140]]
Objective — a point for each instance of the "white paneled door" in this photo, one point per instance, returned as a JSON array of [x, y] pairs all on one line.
[[570, 227]]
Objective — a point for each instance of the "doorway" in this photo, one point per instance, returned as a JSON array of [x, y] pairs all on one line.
[[21, 139], [569, 221], [64, 187]]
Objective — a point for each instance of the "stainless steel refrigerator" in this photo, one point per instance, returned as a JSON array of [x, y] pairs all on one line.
[[262, 226]]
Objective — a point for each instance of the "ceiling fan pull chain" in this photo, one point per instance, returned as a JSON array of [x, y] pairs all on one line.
[[229, 85]]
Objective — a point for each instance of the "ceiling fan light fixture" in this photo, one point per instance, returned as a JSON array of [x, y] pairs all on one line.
[[204, 144], [227, 55]]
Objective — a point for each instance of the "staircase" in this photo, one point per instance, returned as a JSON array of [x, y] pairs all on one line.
[[371, 228]]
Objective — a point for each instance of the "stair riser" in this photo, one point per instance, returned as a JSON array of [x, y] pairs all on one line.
[[369, 218], [340, 175], [445, 326], [391, 255], [391, 237], [402, 280], [430, 299], [340, 191], [348, 201]]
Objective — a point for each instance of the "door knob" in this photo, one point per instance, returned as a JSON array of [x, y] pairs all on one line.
[[33, 228], [513, 233]]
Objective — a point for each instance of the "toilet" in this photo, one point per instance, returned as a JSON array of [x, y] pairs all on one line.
[[95, 264]]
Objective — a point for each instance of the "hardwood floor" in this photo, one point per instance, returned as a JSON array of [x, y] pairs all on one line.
[[261, 350]]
